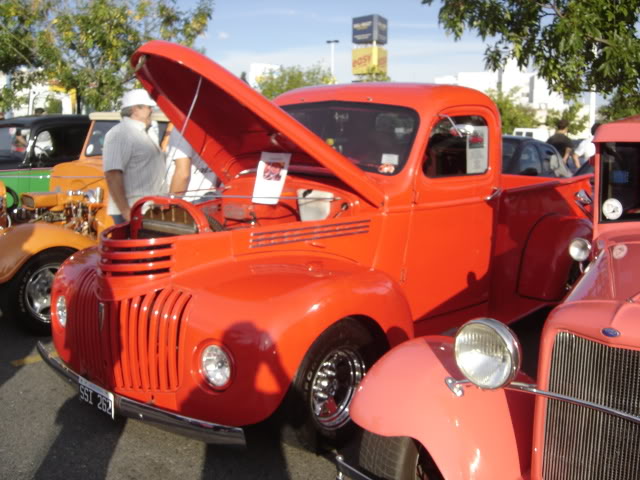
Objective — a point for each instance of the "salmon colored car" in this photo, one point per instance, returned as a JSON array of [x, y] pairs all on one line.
[[351, 217], [460, 408], [50, 226]]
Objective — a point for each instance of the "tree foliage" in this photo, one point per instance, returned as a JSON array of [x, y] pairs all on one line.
[[374, 74], [86, 44], [512, 113], [277, 81], [576, 45], [577, 122], [619, 106]]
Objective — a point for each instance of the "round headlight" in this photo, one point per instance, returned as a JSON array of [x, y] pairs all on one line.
[[216, 366], [61, 310], [487, 353], [580, 249]]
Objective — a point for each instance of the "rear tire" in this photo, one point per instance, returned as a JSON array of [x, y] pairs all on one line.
[[396, 458], [29, 291], [316, 408]]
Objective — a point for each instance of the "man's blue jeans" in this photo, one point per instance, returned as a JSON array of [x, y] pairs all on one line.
[[118, 219]]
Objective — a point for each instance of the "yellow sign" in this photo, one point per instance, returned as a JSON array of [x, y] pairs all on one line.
[[367, 58]]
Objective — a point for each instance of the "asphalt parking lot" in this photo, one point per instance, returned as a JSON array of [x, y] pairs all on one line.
[[48, 434]]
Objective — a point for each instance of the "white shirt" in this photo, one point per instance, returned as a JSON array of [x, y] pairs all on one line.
[[128, 148], [202, 177], [586, 149]]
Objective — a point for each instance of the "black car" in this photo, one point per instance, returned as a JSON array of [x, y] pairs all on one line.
[[31, 146], [527, 156]]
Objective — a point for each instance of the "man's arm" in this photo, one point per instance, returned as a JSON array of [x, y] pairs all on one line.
[[181, 175], [115, 183]]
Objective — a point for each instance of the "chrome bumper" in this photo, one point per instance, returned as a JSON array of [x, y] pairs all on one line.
[[189, 427]]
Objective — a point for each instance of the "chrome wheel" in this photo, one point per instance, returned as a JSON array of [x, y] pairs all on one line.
[[333, 386], [37, 293]]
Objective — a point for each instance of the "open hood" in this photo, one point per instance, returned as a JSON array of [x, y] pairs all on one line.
[[229, 122]]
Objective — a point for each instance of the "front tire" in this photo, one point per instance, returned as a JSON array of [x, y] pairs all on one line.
[[29, 292], [396, 458], [317, 404]]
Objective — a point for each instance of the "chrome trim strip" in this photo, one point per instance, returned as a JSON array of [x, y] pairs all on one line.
[[345, 469], [456, 387], [189, 427]]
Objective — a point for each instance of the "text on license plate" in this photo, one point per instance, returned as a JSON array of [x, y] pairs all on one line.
[[96, 396]]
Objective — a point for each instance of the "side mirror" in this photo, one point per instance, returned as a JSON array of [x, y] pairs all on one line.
[[583, 198]]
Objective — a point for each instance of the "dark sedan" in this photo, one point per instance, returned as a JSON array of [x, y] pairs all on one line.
[[31, 146], [527, 156]]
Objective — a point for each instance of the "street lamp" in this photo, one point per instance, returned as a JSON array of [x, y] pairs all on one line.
[[333, 46]]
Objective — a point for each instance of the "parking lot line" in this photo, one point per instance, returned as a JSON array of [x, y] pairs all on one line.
[[21, 362]]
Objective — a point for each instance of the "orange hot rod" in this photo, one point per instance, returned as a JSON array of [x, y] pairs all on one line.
[[460, 408], [49, 226], [351, 217]]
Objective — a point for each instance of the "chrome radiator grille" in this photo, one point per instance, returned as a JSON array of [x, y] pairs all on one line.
[[132, 344], [582, 443]]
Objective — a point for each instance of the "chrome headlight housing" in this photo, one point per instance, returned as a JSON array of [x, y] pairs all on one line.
[[487, 353], [580, 249], [217, 366], [61, 310]]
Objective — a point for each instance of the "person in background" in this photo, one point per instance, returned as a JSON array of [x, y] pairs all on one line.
[[2, 116], [563, 143], [38, 112], [187, 172], [587, 148], [134, 164]]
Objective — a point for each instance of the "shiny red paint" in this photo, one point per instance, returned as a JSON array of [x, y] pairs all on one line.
[[396, 252], [404, 394]]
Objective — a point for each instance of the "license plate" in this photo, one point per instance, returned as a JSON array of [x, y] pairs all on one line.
[[96, 396]]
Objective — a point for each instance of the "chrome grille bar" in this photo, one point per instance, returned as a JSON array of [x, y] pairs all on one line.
[[584, 443]]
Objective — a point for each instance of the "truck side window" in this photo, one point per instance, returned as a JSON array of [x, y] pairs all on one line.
[[457, 150]]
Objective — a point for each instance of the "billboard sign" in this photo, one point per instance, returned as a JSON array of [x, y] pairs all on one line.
[[369, 29], [363, 59]]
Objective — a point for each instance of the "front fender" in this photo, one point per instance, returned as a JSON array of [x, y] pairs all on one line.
[[21, 242], [546, 262], [480, 435], [269, 314]]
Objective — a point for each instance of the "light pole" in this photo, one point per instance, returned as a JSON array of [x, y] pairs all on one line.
[[333, 46]]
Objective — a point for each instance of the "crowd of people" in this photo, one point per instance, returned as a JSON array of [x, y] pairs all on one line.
[[573, 156]]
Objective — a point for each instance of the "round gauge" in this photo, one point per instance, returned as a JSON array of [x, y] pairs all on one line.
[[619, 251], [612, 209]]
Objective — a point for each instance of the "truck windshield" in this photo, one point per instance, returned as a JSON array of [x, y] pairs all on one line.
[[13, 144], [620, 182], [376, 138]]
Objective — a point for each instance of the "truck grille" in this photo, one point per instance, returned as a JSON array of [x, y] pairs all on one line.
[[137, 258], [582, 443], [132, 344]]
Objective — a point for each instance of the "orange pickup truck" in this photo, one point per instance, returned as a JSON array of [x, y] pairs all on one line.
[[352, 218]]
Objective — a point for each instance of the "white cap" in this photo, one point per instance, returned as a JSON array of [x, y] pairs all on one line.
[[137, 97]]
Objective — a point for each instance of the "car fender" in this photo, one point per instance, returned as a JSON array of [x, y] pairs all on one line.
[[20, 242], [483, 434], [269, 315], [546, 265]]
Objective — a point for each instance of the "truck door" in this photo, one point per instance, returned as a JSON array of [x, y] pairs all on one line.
[[451, 234]]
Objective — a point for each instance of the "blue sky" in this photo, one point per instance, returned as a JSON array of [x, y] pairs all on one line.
[[295, 33]]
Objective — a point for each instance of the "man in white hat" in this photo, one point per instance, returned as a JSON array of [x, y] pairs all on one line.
[[133, 162]]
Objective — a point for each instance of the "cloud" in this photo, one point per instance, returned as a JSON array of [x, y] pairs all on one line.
[[223, 35]]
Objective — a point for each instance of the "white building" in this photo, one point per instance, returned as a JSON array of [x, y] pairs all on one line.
[[37, 97], [533, 90]]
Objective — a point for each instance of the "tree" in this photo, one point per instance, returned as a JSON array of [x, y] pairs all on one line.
[[619, 106], [85, 45], [577, 123], [512, 113], [575, 45], [277, 81], [374, 74]]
